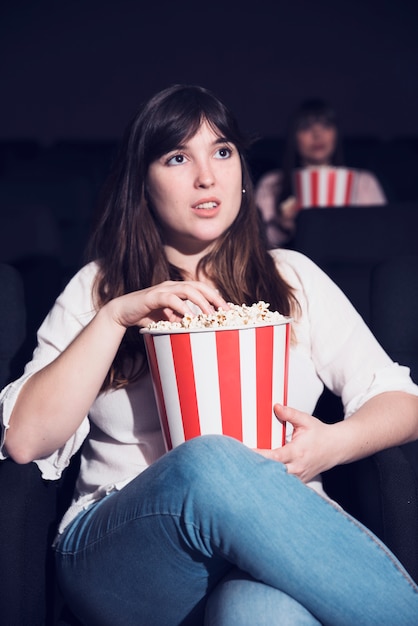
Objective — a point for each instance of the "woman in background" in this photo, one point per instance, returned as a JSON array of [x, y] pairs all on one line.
[[313, 140]]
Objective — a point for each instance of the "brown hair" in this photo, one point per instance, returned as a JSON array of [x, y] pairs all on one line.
[[127, 240]]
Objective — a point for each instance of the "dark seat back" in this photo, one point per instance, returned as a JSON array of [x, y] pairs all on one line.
[[394, 308], [348, 242], [12, 319], [29, 504], [382, 490]]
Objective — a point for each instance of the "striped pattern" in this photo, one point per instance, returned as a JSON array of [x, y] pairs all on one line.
[[324, 186], [222, 382]]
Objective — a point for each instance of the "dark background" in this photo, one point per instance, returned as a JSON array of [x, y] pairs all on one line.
[[80, 69]]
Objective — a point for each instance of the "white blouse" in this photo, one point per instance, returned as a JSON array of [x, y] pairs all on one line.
[[121, 434]]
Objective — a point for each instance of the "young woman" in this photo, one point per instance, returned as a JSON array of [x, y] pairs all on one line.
[[313, 140], [211, 532]]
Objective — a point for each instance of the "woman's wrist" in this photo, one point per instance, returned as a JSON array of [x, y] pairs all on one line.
[[109, 316]]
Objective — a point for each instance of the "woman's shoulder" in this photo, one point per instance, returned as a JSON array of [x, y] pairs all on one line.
[[367, 178], [293, 259], [84, 276], [79, 288], [301, 273]]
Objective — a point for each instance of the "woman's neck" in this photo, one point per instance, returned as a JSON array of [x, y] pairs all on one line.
[[186, 262], [326, 163]]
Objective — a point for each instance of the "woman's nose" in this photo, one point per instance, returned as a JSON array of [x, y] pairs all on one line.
[[317, 130], [204, 175]]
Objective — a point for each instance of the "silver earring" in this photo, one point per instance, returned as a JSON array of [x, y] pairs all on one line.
[[243, 191]]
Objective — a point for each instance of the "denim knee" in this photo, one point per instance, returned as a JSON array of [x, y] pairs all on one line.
[[204, 450], [197, 461], [214, 469]]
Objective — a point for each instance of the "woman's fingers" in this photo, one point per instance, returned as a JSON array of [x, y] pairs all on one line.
[[298, 419], [203, 296], [168, 301], [306, 454]]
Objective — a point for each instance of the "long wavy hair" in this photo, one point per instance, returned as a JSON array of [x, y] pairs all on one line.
[[309, 112], [127, 240]]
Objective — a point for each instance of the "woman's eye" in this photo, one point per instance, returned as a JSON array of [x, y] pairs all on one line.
[[223, 153], [177, 159]]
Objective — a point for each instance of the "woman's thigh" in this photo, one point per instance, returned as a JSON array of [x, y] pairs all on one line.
[[138, 556]]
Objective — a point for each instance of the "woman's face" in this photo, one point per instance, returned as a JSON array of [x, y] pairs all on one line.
[[316, 143], [196, 191]]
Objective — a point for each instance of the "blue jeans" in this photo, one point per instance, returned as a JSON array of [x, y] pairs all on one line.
[[214, 528]]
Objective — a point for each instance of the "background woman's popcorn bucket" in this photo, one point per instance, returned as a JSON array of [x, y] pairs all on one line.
[[324, 186], [220, 381]]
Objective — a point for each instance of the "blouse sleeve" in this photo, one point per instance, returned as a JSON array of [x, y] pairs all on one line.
[[71, 312], [267, 192], [346, 355], [369, 190]]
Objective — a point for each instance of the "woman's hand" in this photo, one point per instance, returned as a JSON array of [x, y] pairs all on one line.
[[310, 450], [388, 419], [288, 211], [166, 301], [289, 208]]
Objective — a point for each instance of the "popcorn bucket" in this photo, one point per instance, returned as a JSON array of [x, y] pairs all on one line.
[[220, 381], [324, 186]]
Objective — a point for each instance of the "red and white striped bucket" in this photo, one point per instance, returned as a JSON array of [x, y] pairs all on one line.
[[220, 381], [324, 186]]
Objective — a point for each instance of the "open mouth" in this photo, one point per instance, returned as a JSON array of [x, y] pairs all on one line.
[[206, 205]]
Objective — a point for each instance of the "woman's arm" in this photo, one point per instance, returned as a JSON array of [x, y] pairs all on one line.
[[266, 194], [380, 399], [53, 402], [279, 222]]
